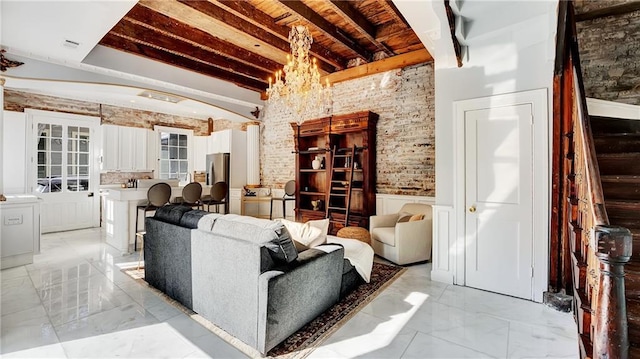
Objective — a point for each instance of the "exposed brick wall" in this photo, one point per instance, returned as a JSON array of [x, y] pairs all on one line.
[[405, 140], [609, 55], [583, 6], [122, 177], [112, 115], [220, 125]]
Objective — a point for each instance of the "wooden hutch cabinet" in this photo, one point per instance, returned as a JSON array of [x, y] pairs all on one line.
[[331, 140]]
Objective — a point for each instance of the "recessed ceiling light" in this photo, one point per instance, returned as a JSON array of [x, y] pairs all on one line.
[[133, 101], [161, 96], [70, 44]]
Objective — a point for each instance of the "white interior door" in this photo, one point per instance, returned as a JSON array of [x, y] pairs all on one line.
[[64, 170], [499, 199]]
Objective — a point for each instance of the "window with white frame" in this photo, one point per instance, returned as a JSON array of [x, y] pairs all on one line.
[[174, 153]]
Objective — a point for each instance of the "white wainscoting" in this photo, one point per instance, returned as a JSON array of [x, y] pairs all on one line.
[[391, 203], [235, 198], [442, 259]]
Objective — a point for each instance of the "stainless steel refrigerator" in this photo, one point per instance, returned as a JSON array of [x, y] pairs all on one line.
[[218, 168]]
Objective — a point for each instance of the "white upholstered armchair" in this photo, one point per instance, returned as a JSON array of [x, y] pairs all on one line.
[[399, 237]]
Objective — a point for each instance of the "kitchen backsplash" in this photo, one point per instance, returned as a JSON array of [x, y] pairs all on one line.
[[122, 177]]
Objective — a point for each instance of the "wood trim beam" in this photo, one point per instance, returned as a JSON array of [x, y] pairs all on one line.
[[130, 45], [246, 11], [609, 11], [162, 41], [359, 22], [391, 63], [452, 29], [206, 41], [327, 28]]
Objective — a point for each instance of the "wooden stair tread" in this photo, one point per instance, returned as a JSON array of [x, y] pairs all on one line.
[[620, 179], [631, 205], [619, 155], [601, 124]]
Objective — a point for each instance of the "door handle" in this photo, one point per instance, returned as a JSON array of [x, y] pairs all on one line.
[[472, 209], [90, 194]]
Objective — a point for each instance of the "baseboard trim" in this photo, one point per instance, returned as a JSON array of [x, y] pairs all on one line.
[[441, 276]]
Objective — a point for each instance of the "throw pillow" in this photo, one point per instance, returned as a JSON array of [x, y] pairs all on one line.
[[303, 234], [416, 217], [403, 217], [323, 226]]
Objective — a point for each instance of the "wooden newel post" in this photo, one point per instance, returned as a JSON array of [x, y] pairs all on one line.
[[611, 340]]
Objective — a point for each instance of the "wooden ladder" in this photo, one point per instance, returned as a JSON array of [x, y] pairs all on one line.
[[341, 188]]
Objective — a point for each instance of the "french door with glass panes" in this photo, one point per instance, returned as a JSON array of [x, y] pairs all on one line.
[[65, 171], [174, 153]]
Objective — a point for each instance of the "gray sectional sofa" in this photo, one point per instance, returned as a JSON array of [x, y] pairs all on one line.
[[243, 274]]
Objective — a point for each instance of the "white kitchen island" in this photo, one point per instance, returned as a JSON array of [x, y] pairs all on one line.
[[119, 211], [119, 214]]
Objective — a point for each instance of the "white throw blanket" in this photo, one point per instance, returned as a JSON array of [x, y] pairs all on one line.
[[358, 253]]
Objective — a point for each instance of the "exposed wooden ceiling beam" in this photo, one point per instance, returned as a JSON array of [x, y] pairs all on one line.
[[218, 28], [391, 63], [389, 30], [244, 27], [609, 11], [390, 8], [134, 29], [197, 37], [452, 30], [358, 21], [327, 28], [246, 11], [148, 50]]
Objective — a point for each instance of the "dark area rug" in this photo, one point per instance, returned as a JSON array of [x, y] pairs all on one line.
[[305, 340]]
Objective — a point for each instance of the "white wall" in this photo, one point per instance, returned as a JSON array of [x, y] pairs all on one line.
[[13, 153], [508, 49], [513, 58]]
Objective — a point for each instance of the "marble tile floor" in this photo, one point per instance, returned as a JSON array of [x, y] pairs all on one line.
[[74, 302]]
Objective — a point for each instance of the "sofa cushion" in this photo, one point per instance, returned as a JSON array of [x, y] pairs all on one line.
[[171, 213], [386, 235], [190, 219], [417, 217], [206, 222], [271, 234]]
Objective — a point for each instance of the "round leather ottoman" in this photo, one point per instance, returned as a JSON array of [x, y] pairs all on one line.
[[359, 233]]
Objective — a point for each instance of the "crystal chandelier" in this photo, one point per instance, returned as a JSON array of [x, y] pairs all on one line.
[[297, 88]]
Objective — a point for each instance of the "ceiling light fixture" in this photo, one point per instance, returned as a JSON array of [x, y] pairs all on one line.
[[160, 96], [297, 88]]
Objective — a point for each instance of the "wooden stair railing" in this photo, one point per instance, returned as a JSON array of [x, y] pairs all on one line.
[[597, 251]]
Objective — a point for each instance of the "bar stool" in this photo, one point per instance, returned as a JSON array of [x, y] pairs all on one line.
[[191, 194], [157, 196], [218, 196], [289, 195]]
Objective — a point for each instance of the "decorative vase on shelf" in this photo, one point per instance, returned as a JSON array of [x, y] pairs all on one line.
[[315, 164]]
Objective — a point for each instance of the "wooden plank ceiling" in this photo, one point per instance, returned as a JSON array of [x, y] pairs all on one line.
[[245, 42]]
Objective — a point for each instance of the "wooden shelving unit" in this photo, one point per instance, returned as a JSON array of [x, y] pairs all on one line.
[[317, 138]]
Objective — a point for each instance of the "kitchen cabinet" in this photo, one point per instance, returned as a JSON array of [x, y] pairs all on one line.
[[200, 150], [19, 230], [125, 148]]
